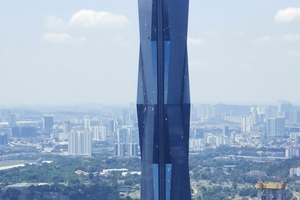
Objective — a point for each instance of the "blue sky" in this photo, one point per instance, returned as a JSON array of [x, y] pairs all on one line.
[[66, 52]]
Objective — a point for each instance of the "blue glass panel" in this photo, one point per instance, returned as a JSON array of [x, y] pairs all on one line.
[[154, 68], [166, 70], [155, 182], [168, 181]]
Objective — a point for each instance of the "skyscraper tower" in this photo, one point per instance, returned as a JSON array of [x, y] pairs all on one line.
[[163, 100], [48, 123]]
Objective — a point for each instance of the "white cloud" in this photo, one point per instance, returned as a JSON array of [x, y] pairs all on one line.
[[62, 38], [291, 38], [287, 15], [90, 18], [293, 53], [196, 41], [53, 22], [262, 40]]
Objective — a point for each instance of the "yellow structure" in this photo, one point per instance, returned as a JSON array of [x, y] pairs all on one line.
[[270, 185], [271, 190]]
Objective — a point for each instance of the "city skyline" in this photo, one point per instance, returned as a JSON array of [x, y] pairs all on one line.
[[65, 53]]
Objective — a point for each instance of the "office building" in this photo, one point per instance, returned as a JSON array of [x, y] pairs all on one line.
[[284, 109], [270, 113], [294, 117], [16, 131], [271, 128], [123, 135], [3, 138], [254, 117], [225, 131], [67, 127], [284, 106], [112, 125], [12, 120], [24, 131], [232, 137], [48, 123], [280, 126], [163, 100], [80, 143], [28, 132]]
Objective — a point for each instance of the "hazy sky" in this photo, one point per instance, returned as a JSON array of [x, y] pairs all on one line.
[[70, 51]]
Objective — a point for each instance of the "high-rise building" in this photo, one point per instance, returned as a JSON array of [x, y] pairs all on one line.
[[196, 133], [284, 106], [28, 131], [48, 123], [246, 124], [24, 131], [132, 149], [276, 127], [16, 131], [112, 124], [86, 123], [55, 132], [123, 135], [3, 138], [280, 126], [95, 132], [12, 120], [206, 111], [294, 117], [80, 143], [225, 131], [67, 127], [119, 149], [126, 116], [271, 128], [197, 144], [163, 100], [254, 116], [271, 190], [103, 133]]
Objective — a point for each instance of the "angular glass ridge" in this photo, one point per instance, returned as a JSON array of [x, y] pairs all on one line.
[[163, 99]]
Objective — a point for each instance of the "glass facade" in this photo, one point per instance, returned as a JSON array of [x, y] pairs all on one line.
[[163, 99]]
